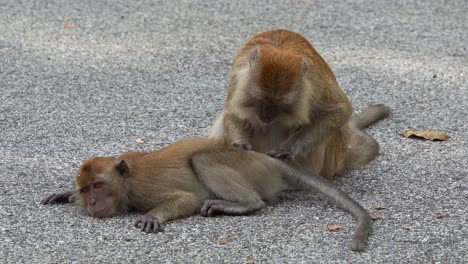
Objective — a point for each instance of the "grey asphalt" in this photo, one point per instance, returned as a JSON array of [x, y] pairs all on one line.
[[156, 70]]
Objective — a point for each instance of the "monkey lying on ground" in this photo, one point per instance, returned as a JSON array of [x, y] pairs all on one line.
[[194, 176], [283, 99]]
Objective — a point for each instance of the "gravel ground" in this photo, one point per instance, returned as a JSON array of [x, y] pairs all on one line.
[[87, 78]]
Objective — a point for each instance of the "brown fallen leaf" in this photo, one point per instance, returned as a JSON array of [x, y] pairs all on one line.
[[441, 215], [378, 207], [222, 242], [334, 228], [69, 26], [427, 134], [374, 216], [140, 141], [422, 105], [250, 261]]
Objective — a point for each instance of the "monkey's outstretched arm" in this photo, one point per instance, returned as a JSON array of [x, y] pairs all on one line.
[[63, 197], [180, 205], [325, 121]]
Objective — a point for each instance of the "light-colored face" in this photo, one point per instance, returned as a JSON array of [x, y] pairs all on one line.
[[99, 199], [99, 184]]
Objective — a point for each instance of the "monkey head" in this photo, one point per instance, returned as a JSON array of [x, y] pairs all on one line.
[[100, 186], [274, 87]]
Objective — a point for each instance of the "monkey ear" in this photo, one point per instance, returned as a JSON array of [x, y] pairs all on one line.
[[254, 57], [122, 169]]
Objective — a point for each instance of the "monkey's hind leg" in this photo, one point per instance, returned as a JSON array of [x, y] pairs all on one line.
[[213, 207], [236, 195], [362, 147]]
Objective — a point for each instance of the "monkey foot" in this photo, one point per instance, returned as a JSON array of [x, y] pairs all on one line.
[[281, 155], [149, 224], [209, 208]]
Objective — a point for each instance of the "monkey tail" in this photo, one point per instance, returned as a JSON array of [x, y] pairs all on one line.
[[332, 192], [371, 115]]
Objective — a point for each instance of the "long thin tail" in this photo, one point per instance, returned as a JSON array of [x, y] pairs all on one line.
[[342, 199], [371, 115]]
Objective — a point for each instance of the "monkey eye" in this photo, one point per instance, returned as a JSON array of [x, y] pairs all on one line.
[[98, 185], [84, 189]]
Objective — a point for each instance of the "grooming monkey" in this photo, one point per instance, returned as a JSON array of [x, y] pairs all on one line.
[[284, 100], [194, 176]]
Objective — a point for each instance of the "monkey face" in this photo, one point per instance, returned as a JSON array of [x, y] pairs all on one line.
[[99, 199], [99, 183]]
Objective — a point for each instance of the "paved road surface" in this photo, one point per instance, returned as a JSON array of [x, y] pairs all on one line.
[[123, 70]]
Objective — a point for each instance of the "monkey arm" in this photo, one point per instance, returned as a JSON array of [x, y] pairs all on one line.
[[324, 124], [63, 197], [238, 131], [181, 204]]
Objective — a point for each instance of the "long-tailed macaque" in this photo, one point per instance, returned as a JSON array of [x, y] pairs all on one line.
[[284, 100], [202, 176]]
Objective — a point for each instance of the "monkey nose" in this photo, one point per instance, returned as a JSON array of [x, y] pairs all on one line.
[[92, 202]]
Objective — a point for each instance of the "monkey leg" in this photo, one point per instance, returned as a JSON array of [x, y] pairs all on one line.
[[236, 194], [213, 207], [362, 150], [362, 147], [335, 154]]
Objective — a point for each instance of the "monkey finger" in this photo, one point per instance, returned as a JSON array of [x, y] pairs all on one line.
[[244, 146], [281, 155], [211, 211], [139, 221], [158, 227], [205, 208], [148, 226], [46, 199], [53, 198]]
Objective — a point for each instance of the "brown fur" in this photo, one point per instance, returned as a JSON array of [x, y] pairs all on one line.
[[195, 176], [283, 99]]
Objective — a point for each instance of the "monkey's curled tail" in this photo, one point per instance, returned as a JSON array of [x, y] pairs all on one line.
[[332, 192], [371, 115]]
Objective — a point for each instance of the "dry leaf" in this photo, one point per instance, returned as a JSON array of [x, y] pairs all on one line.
[[250, 261], [440, 215], [229, 235], [140, 141], [374, 216], [378, 207], [334, 227], [427, 134], [69, 26], [422, 105], [222, 242]]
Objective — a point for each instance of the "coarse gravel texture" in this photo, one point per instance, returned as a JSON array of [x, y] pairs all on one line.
[[87, 78]]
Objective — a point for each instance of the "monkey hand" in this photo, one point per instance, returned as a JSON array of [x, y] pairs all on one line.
[[245, 146], [63, 197], [149, 224], [282, 155]]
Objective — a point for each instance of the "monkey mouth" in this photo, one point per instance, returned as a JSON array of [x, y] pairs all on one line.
[[101, 213]]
